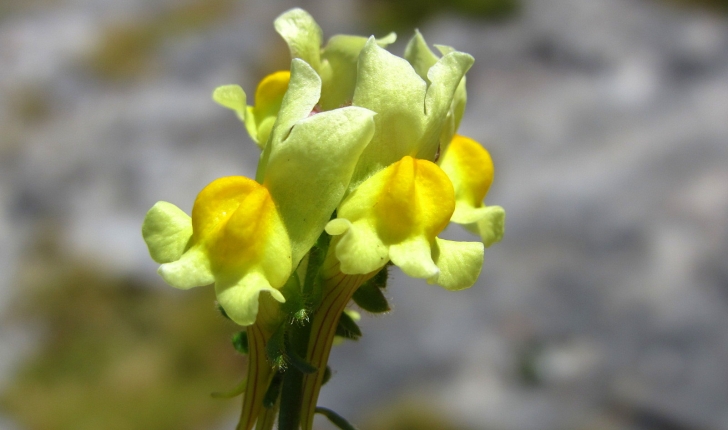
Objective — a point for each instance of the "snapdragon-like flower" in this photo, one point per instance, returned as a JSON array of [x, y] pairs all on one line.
[[247, 236], [397, 172], [206, 247], [418, 104], [260, 118], [335, 63], [466, 162], [470, 168]]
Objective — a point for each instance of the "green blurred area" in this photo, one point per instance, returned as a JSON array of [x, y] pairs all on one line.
[[715, 5], [404, 15], [127, 49], [411, 414], [117, 354]]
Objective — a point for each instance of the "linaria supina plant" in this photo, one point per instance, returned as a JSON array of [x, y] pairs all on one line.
[[361, 168]]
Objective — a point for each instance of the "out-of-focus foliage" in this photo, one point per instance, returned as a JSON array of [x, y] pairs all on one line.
[[116, 354], [388, 15], [29, 104], [411, 415], [126, 49], [717, 5]]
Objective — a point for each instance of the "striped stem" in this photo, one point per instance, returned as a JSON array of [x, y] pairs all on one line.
[[337, 291], [267, 419], [260, 372]]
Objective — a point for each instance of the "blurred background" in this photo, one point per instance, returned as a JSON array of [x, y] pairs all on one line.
[[605, 307]]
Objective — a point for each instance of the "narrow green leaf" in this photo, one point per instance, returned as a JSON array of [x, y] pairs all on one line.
[[294, 297], [296, 360], [240, 342], [222, 311], [238, 390], [335, 418], [327, 376], [274, 348], [370, 297], [274, 390], [313, 288], [381, 278], [348, 328]]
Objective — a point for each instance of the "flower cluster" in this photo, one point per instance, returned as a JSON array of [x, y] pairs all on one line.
[[361, 167]]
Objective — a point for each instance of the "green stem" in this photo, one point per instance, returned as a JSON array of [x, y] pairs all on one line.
[[267, 418], [289, 417], [291, 400], [335, 418]]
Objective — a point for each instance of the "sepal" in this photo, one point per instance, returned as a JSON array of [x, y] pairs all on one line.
[[370, 296], [327, 375]]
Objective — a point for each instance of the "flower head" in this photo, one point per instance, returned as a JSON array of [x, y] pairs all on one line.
[[260, 118], [399, 200], [247, 236], [360, 166], [396, 215], [335, 63]]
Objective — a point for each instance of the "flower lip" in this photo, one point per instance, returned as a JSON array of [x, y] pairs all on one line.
[[474, 169], [470, 168], [233, 218]]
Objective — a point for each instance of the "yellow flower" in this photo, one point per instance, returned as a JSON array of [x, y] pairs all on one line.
[[470, 168], [248, 236], [258, 119]]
